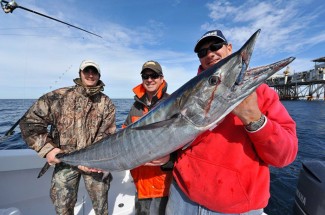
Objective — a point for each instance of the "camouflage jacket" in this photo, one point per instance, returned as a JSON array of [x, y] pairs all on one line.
[[67, 118]]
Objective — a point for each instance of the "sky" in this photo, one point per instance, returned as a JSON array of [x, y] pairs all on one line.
[[38, 55]]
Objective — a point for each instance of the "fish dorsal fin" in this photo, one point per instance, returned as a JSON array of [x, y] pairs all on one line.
[[158, 124]]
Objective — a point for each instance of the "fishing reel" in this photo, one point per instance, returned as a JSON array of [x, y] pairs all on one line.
[[8, 7]]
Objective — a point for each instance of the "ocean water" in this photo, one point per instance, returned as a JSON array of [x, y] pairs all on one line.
[[11, 110], [309, 116]]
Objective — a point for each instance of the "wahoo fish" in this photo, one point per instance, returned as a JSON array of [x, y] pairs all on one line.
[[199, 105]]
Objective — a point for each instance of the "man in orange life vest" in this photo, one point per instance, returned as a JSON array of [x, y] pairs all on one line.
[[152, 180]]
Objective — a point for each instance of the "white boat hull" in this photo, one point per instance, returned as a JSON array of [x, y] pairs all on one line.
[[20, 189]]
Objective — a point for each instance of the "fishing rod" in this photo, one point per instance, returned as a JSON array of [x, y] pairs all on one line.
[[9, 132], [9, 7]]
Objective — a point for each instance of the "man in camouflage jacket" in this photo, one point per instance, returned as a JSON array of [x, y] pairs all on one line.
[[66, 120]]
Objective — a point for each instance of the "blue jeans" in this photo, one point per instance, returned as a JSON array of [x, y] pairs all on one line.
[[180, 204]]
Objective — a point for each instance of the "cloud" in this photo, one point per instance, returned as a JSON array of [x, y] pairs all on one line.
[[39, 54], [42, 55], [283, 24]]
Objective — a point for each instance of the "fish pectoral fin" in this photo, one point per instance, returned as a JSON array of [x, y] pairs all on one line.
[[158, 124]]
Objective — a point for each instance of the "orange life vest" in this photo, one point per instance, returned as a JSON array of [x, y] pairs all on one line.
[[150, 181]]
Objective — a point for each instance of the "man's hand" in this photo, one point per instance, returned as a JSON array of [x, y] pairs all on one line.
[[248, 111], [158, 162], [88, 169], [50, 157]]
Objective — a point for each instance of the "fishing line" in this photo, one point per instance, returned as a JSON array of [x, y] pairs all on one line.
[[11, 130], [59, 78]]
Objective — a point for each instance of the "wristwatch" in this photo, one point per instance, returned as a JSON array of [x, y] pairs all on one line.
[[255, 125]]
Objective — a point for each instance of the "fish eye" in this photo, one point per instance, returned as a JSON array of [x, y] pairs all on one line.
[[214, 80]]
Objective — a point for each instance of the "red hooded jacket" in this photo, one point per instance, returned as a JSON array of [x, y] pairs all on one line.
[[226, 169]]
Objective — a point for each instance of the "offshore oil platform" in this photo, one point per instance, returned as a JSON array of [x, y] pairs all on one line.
[[307, 85]]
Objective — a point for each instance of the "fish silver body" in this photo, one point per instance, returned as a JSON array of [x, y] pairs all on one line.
[[199, 105]]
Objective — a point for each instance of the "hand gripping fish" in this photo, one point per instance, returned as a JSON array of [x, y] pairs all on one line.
[[199, 105]]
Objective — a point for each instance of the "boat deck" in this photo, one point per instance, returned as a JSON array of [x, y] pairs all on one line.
[[21, 190]]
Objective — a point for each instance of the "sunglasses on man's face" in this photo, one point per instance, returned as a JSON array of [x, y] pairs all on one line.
[[87, 71], [152, 76], [213, 47]]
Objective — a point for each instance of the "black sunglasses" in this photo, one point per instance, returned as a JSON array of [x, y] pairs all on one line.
[[87, 70], [152, 76], [213, 47]]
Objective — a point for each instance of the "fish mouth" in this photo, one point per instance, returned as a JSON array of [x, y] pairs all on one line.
[[259, 74], [248, 78]]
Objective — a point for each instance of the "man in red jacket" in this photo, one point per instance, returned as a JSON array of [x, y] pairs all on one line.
[[225, 170]]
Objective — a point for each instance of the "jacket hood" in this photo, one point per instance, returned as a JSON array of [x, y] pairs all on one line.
[[200, 69]]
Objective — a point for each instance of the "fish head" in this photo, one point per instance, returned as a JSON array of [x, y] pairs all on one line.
[[218, 90]]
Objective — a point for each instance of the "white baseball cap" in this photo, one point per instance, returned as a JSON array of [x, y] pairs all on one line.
[[87, 63]]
